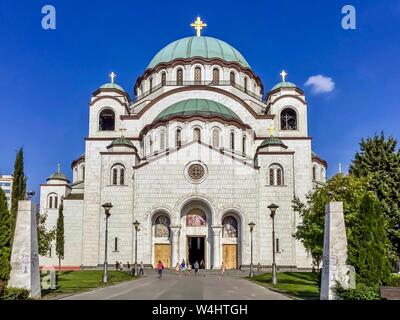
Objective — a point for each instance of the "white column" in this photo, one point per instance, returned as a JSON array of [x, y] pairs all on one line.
[[175, 245], [216, 230]]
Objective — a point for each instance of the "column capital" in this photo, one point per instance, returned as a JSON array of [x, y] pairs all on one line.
[[216, 229], [176, 229]]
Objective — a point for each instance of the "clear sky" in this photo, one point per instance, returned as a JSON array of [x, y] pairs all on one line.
[[47, 76]]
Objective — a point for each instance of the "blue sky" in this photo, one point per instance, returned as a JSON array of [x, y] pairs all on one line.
[[47, 76]]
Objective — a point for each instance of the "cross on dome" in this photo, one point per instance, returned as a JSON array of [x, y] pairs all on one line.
[[112, 75], [198, 25], [283, 75], [58, 168], [271, 131], [122, 130]]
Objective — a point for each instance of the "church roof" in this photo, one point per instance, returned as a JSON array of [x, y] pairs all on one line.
[[272, 141], [122, 141], [206, 47], [58, 176], [284, 84], [197, 106], [112, 86]]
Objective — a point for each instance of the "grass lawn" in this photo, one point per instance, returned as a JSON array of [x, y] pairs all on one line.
[[298, 285], [78, 281]]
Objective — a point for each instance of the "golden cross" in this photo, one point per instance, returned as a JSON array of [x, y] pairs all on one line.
[[112, 75], [198, 25], [122, 131], [271, 131], [283, 75]]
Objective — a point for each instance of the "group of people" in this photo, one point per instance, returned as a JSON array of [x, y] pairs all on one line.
[[119, 266], [187, 267]]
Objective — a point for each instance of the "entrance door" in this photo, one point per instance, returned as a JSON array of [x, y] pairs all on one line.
[[162, 253], [196, 250], [230, 255]]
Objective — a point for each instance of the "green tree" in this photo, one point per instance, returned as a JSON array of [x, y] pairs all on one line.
[[310, 230], [45, 237], [60, 235], [379, 159], [368, 243], [18, 188], [5, 238]]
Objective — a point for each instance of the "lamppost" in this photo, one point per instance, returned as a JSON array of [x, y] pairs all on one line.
[[107, 207], [136, 225], [273, 208], [251, 225]]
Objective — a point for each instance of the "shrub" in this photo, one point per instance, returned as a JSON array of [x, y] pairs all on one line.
[[361, 292], [394, 281], [15, 294]]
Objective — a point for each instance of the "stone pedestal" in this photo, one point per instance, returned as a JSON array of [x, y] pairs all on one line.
[[25, 255], [334, 266], [216, 231], [175, 245]]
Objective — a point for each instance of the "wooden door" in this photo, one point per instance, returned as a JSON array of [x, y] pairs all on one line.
[[229, 255], [162, 252]]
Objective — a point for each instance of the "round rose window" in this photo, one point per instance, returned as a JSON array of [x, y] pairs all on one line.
[[196, 171]]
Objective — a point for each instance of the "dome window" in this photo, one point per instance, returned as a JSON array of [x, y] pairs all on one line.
[[215, 138], [197, 75], [197, 134], [215, 76], [178, 138], [232, 78], [179, 77], [163, 79], [232, 140], [107, 120]]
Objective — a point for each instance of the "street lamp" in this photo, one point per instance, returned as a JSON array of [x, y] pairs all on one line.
[[136, 225], [107, 207], [251, 225], [273, 208]]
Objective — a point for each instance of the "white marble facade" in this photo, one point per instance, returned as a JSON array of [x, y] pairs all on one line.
[[217, 173]]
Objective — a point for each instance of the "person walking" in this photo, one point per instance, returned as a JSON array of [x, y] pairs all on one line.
[[202, 264], [177, 269], [116, 266], [128, 265], [196, 268], [189, 269], [160, 268], [183, 265], [141, 270], [222, 268], [121, 266], [258, 267]]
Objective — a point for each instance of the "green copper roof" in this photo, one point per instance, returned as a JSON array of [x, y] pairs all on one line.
[[205, 47], [197, 106], [271, 141], [122, 141], [59, 176], [112, 86], [284, 84]]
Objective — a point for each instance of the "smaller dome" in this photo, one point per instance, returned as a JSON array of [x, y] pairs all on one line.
[[197, 107], [112, 86], [121, 141], [284, 84], [271, 141], [58, 176]]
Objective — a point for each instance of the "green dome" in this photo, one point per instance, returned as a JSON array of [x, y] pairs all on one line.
[[112, 86], [205, 47], [284, 84], [197, 106], [271, 141], [122, 141], [59, 176]]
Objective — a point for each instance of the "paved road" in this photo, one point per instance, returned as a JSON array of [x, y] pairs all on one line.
[[182, 287]]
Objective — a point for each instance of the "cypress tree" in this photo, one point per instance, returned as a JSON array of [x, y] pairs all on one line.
[[380, 160], [5, 238], [368, 243], [18, 188], [60, 235]]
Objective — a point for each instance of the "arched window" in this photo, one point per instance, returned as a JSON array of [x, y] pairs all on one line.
[[314, 173], [232, 78], [245, 84], [162, 140], [107, 120], [83, 172], [150, 144], [179, 77], [151, 84], [215, 137], [197, 75], [215, 76], [161, 226], [229, 227], [288, 119], [232, 140], [122, 177], [163, 78], [276, 177], [197, 134], [50, 205], [244, 144], [115, 176], [52, 201], [178, 138]]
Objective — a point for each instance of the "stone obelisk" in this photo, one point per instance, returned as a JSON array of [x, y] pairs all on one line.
[[24, 255]]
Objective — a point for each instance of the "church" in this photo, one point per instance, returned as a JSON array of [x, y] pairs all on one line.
[[194, 155]]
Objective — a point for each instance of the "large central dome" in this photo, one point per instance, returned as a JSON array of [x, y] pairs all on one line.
[[206, 47]]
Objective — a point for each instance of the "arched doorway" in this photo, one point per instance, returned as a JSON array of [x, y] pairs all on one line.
[[230, 240], [161, 239]]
